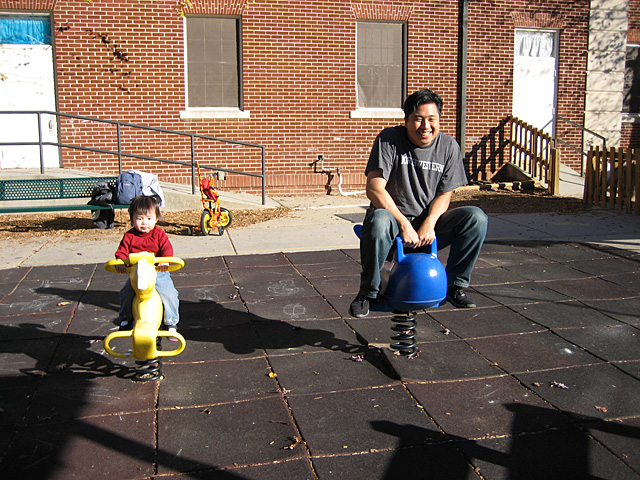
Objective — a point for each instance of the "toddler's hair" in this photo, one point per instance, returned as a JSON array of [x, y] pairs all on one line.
[[142, 204]]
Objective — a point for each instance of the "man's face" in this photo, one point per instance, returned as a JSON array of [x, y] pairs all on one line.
[[423, 125]]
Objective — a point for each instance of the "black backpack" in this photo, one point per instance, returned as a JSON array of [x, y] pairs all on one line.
[[102, 195]]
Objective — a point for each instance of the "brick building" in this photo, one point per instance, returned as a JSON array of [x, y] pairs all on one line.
[[306, 78]]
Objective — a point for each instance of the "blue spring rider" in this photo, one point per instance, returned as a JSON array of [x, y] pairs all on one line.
[[409, 282]]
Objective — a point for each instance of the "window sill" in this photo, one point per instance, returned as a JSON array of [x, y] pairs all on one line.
[[213, 113], [396, 113], [631, 118]]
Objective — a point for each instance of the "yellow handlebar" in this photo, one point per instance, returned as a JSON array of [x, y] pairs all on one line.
[[147, 345], [175, 263]]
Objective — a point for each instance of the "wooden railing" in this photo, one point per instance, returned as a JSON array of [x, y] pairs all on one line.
[[516, 142], [611, 178], [535, 152]]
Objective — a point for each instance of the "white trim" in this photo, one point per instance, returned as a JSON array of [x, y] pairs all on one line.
[[212, 113], [377, 113]]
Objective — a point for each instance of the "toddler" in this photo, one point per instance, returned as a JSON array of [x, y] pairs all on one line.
[[145, 236]]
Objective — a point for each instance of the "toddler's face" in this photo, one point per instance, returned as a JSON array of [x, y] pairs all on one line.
[[144, 222]]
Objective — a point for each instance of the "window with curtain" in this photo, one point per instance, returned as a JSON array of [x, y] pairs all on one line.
[[25, 30], [534, 44], [213, 67], [381, 64]]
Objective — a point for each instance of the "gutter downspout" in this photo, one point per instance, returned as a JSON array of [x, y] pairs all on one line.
[[463, 42]]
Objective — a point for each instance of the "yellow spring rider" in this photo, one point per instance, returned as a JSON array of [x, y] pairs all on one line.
[[147, 314]]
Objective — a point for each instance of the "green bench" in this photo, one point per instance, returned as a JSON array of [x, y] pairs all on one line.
[[29, 191]]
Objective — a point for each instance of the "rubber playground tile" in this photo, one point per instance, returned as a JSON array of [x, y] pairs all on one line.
[[234, 341], [440, 361], [82, 354], [71, 396], [531, 352], [25, 305], [318, 257], [510, 258], [26, 357], [377, 331], [626, 311], [209, 383], [226, 435], [344, 268], [100, 299], [589, 289], [13, 276], [565, 314], [589, 392], [243, 275], [520, 293], [93, 322], [328, 286], [559, 454], [632, 368], [253, 261], [284, 288], [14, 395], [425, 461], [306, 336], [201, 315], [59, 272], [484, 322], [611, 343], [629, 280], [37, 325], [207, 277], [607, 266], [476, 409], [289, 469], [198, 265], [542, 272], [495, 275], [566, 252], [208, 293], [622, 437], [110, 446], [285, 309], [70, 288], [354, 421], [479, 298], [332, 371], [493, 247]]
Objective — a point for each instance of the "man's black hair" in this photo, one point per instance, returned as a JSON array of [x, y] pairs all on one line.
[[421, 97]]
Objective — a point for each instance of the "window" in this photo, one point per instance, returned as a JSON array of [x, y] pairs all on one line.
[[213, 66], [631, 98], [381, 64]]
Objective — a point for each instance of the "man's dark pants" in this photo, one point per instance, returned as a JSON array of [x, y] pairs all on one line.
[[462, 228]]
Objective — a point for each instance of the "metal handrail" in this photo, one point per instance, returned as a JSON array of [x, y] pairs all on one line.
[[579, 150], [40, 143]]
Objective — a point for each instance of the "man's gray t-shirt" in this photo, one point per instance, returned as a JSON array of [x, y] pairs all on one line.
[[414, 174]]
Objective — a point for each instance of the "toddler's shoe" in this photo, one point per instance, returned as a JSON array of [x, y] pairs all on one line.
[[172, 330], [126, 325]]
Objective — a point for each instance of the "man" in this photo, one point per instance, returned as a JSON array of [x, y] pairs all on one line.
[[412, 171]]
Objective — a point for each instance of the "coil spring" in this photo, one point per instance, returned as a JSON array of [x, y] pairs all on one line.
[[403, 334], [148, 370]]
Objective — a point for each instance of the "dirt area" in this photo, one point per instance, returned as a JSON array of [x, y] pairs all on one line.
[[179, 223]]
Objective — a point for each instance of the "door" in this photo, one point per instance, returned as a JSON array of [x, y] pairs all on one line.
[[535, 78], [27, 73]]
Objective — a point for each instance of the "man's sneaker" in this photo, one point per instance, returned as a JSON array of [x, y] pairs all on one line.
[[457, 298], [360, 306]]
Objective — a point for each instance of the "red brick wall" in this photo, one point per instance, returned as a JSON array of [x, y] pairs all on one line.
[[123, 60]]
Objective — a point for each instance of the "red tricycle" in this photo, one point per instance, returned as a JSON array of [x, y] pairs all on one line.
[[213, 216]]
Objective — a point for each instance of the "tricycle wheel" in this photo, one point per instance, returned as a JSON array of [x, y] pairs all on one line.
[[205, 218], [225, 218]]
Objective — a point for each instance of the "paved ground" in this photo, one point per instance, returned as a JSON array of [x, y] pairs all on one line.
[[541, 381]]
